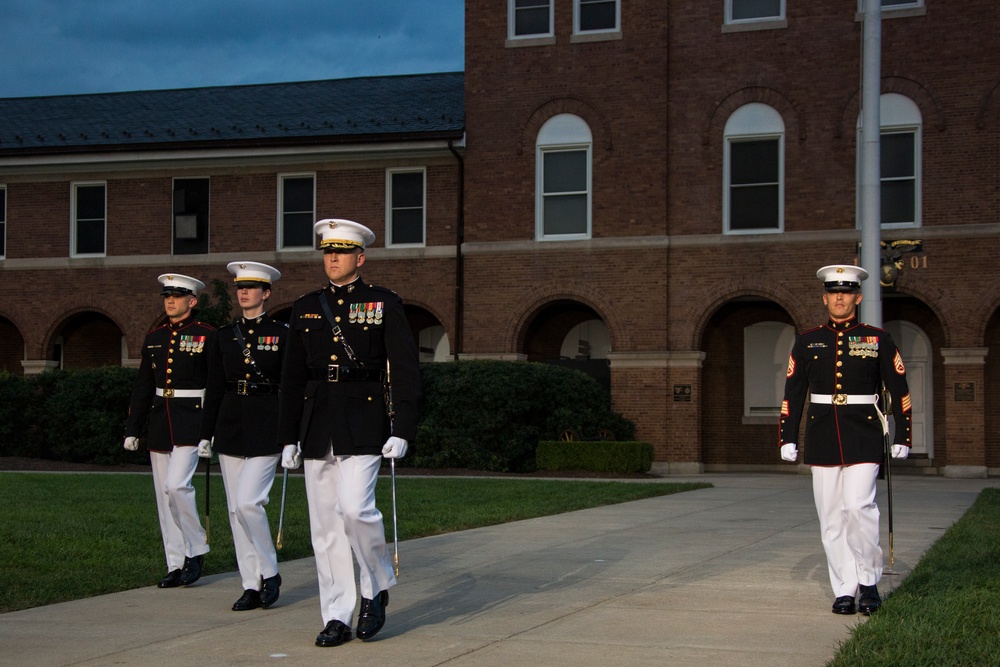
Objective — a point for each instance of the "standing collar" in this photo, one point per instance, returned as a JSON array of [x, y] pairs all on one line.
[[843, 326]]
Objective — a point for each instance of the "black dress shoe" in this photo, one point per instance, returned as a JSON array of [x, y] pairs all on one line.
[[869, 602], [844, 605], [269, 593], [191, 572], [172, 580], [371, 618], [334, 634], [249, 600]]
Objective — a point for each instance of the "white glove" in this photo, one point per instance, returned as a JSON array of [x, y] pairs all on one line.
[[131, 443], [205, 449], [789, 451], [900, 451], [394, 448], [291, 457]]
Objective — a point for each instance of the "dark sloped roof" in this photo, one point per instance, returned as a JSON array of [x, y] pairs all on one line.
[[412, 106]]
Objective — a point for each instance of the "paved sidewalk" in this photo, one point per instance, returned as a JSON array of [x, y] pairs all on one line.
[[733, 575]]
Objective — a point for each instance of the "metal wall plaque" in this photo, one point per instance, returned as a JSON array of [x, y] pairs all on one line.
[[965, 391], [682, 393]]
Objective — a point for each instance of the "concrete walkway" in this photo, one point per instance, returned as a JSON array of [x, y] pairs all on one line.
[[733, 575]]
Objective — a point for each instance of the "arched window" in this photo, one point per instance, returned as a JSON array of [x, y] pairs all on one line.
[[754, 171], [899, 151], [562, 180]]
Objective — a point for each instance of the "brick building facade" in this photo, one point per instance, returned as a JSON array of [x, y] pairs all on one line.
[[643, 189]]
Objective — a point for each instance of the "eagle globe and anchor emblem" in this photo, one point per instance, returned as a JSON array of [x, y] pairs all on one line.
[[892, 258]]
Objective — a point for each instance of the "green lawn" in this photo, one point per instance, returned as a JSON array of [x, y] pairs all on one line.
[[947, 611], [69, 536]]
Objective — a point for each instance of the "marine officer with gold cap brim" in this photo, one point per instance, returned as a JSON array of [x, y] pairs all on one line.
[[344, 340]]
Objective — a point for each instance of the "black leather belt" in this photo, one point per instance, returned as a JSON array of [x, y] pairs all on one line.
[[246, 387], [335, 373]]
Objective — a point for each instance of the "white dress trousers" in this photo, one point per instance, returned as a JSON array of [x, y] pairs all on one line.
[[343, 518], [849, 524], [180, 524], [248, 484]]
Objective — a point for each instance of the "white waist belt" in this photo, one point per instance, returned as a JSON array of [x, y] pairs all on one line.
[[845, 399], [180, 393]]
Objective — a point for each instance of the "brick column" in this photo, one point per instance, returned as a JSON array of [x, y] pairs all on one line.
[[965, 426], [661, 393]]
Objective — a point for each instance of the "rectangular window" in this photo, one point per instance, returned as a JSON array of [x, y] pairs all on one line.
[[596, 15], [3, 221], [565, 193], [89, 218], [191, 206], [296, 211], [899, 178], [754, 185], [530, 18], [754, 10], [766, 346], [406, 207]]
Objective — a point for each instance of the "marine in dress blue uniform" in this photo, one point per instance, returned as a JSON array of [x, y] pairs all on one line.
[[344, 340], [168, 392], [240, 422], [842, 367]]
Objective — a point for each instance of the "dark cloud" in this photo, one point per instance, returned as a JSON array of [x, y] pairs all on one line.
[[54, 47]]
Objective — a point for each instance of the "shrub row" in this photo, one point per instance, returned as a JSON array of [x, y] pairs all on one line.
[[77, 416], [621, 457], [491, 415], [481, 415]]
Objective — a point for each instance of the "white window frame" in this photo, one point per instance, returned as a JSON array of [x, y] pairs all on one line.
[[766, 347], [562, 133], [616, 28], [3, 222], [898, 114], [760, 21], [281, 210], [753, 122], [902, 10], [389, 210], [906, 4], [74, 221], [511, 12]]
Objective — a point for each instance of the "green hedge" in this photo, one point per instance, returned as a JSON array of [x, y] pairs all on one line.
[[77, 416], [623, 457], [491, 415], [481, 415]]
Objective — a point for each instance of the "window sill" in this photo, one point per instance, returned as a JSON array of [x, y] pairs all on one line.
[[747, 232], [584, 37], [902, 13], [761, 420], [529, 41], [774, 24]]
